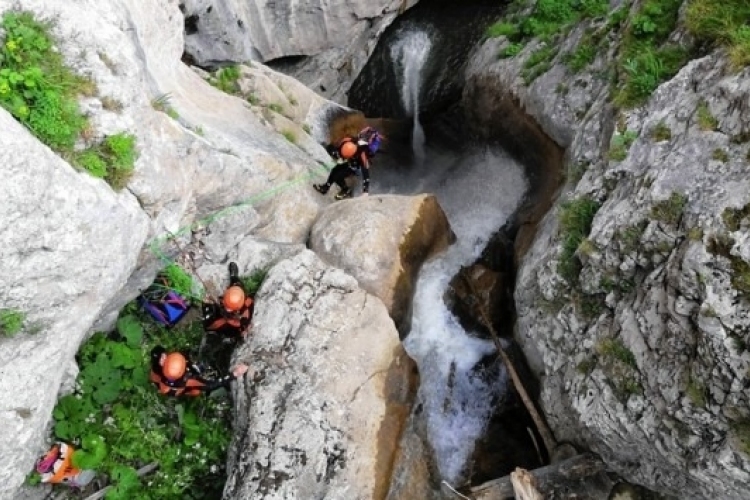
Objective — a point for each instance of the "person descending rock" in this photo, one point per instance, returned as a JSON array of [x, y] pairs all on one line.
[[356, 154], [230, 319], [175, 375]]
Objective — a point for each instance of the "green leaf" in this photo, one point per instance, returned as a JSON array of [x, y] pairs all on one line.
[[131, 330], [92, 453], [103, 378], [123, 356], [125, 478]]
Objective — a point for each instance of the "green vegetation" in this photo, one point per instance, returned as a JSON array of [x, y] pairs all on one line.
[[251, 283], [289, 135], [548, 19], [253, 99], [645, 61], [722, 23], [276, 108], [40, 91], [629, 238], [538, 63], [620, 145], [576, 217], [732, 217], [584, 55], [113, 159], [162, 104], [502, 28], [111, 104], [179, 280], [740, 276], [719, 154], [122, 423], [615, 349], [696, 391], [661, 132], [226, 79], [11, 322], [35, 85], [306, 128], [706, 121], [741, 432], [669, 211], [586, 366], [576, 171]]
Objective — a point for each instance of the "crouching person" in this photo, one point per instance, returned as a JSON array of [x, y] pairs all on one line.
[[231, 318], [175, 375]]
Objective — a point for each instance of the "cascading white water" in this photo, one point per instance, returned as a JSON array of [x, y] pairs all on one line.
[[409, 54], [478, 193]]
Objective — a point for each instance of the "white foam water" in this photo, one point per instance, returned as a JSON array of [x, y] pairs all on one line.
[[478, 193], [409, 53]]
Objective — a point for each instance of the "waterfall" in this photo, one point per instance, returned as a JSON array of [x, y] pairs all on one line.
[[478, 192], [409, 54]]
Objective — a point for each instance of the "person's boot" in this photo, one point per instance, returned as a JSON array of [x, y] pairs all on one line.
[[234, 272], [344, 193], [321, 188]]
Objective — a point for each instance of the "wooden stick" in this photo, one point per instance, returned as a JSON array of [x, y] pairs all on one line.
[[548, 479], [541, 425], [147, 469]]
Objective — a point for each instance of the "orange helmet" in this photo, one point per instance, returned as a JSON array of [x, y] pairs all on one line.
[[348, 150], [234, 298], [174, 366]]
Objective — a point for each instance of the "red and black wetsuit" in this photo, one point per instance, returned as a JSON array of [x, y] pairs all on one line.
[[191, 383], [360, 162]]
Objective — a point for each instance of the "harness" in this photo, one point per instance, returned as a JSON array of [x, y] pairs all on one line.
[[239, 320], [186, 385]]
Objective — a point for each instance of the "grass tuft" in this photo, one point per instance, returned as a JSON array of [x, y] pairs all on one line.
[[661, 132], [670, 211], [11, 322], [706, 121], [722, 23], [576, 217]]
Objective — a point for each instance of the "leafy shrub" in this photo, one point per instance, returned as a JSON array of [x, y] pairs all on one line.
[[722, 23], [290, 136], [162, 104], [11, 322], [251, 283], [616, 349], [502, 28], [122, 423], [511, 50], [113, 159], [91, 162], [661, 132], [620, 145], [584, 55], [669, 211], [706, 120], [35, 85], [538, 63], [576, 217], [226, 79], [179, 280]]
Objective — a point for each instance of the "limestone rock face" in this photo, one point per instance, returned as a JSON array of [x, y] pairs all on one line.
[[642, 355], [73, 252], [383, 241], [322, 409], [336, 38], [66, 242]]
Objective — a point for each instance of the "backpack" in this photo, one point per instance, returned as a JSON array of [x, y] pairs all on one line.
[[166, 306], [373, 139]]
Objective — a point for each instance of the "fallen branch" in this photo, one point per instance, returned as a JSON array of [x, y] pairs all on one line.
[[547, 479], [147, 469], [541, 425]]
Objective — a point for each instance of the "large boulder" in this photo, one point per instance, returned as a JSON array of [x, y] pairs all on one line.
[[322, 410], [335, 39], [383, 241]]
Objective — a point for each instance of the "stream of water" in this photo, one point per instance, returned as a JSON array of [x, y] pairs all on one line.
[[478, 191]]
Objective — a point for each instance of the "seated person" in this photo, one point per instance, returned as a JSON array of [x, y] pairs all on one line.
[[56, 467], [175, 375], [231, 318]]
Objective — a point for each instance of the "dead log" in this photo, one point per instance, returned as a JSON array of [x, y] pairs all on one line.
[[541, 425], [545, 480]]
